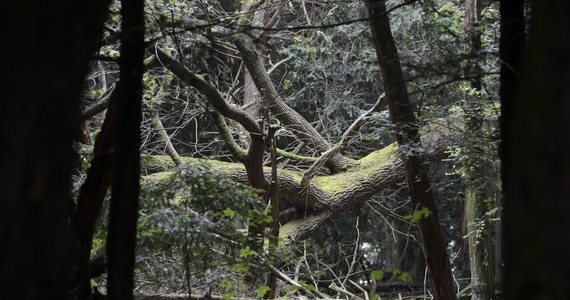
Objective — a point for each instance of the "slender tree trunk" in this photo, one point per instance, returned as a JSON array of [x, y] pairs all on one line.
[[537, 170], [126, 170], [407, 135], [45, 65], [90, 199], [479, 195]]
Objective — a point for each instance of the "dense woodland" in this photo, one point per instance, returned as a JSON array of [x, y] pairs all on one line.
[[352, 149]]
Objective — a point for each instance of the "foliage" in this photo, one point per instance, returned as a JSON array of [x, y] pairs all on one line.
[[198, 237], [194, 231]]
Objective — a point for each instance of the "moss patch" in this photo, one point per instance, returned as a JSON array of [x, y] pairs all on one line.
[[358, 173]]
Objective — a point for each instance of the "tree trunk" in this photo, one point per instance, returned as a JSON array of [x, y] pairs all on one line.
[[123, 214], [407, 135], [537, 167], [325, 197], [45, 65], [479, 195], [90, 199]]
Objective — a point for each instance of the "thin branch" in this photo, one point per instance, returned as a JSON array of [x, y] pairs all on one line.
[[169, 148], [254, 161], [99, 105], [321, 161], [277, 64], [235, 149], [295, 156]]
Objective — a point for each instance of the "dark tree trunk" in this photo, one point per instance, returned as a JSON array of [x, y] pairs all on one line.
[[90, 199], [126, 166], [536, 142], [402, 116], [44, 66], [511, 49]]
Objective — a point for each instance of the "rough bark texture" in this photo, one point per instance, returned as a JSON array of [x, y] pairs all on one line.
[[44, 67], [537, 180], [324, 198], [121, 239], [480, 246], [402, 117], [478, 193]]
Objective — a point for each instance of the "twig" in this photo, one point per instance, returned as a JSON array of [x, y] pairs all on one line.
[[321, 161]]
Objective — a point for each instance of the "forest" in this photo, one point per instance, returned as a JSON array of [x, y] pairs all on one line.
[[299, 149]]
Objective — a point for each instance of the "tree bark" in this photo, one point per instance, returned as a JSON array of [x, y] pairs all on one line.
[[479, 195], [45, 66], [253, 160], [121, 239], [537, 170], [90, 199], [512, 44], [407, 136], [325, 197], [289, 117]]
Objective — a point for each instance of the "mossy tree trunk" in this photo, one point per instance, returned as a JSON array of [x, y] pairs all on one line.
[[479, 196], [325, 197]]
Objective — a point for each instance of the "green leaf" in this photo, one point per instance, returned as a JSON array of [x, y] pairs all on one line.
[[229, 212], [404, 276], [262, 290], [424, 212], [225, 283], [242, 268], [396, 272], [228, 296], [246, 252], [377, 274]]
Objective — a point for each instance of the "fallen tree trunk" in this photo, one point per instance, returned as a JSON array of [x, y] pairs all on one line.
[[324, 198]]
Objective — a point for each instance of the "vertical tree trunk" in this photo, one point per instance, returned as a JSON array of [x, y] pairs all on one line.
[[511, 51], [479, 194], [45, 64], [90, 199], [407, 135], [537, 144], [512, 44], [126, 166]]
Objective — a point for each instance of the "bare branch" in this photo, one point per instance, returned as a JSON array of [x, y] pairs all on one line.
[[321, 161], [253, 163]]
